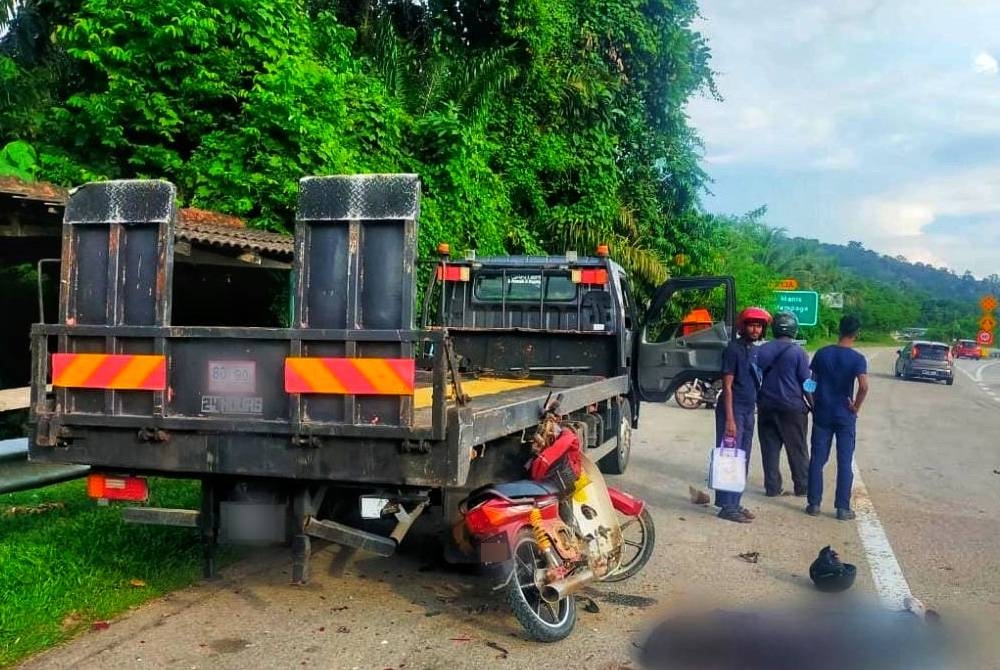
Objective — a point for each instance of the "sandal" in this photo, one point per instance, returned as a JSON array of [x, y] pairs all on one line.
[[734, 515], [747, 513]]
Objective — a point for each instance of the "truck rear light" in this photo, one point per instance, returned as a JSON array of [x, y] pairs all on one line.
[[109, 487], [593, 277], [453, 273]]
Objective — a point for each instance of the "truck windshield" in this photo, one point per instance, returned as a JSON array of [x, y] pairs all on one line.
[[524, 287]]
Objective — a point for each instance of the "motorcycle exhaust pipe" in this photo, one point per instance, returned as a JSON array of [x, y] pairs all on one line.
[[556, 591]]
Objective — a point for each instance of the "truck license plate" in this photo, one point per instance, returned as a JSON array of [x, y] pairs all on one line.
[[232, 377]]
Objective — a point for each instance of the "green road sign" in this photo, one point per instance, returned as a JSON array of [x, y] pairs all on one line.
[[803, 304]]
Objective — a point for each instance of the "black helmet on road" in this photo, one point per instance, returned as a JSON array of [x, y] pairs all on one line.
[[785, 325], [829, 574]]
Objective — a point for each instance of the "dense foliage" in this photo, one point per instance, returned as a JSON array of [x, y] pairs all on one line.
[[535, 125]]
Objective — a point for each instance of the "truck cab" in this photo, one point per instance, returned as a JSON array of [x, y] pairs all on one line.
[[571, 315]]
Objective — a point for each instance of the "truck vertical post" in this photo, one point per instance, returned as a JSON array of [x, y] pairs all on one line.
[[117, 270]]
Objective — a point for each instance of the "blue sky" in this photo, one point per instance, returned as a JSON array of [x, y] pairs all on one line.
[[868, 120]]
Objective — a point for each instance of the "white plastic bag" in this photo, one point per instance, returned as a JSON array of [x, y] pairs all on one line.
[[728, 469]]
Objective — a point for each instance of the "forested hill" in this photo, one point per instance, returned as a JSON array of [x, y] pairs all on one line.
[[898, 271]]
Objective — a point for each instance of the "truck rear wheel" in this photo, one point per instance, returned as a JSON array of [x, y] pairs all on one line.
[[615, 462]]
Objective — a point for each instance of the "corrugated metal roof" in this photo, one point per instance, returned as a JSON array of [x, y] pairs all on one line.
[[38, 190], [194, 225], [218, 234]]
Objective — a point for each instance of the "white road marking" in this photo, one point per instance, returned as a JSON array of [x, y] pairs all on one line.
[[982, 368], [889, 581], [968, 374]]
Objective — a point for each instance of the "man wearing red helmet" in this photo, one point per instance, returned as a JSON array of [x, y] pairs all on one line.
[[734, 416]]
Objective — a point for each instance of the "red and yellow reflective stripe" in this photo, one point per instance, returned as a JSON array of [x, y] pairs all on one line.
[[126, 372], [353, 376]]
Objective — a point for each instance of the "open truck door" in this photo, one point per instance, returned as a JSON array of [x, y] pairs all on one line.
[[671, 348]]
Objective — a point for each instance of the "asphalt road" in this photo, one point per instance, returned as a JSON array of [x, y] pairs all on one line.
[[928, 458]]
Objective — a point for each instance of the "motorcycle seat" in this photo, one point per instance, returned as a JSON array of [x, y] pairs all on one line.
[[522, 488]]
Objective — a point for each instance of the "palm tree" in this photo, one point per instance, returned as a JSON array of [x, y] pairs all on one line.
[[24, 31]]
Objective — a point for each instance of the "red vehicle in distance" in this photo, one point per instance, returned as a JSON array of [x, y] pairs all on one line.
[[967, 349]]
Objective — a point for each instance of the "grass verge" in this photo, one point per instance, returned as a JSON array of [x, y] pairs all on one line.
[[67, 562]]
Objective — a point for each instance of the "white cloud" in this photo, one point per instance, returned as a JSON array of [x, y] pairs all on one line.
[[843, 158], [901, 221], [878, 217], [986, 64], [859, 120]]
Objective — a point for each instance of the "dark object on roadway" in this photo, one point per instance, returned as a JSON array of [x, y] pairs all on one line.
[[785, 325], [830, 574], [699, 497], [922, 359]]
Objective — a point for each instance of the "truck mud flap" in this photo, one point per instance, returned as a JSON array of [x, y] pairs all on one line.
[[350, 537]]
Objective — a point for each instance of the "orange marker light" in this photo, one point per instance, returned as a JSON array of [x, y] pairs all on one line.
[[602, 250], [444, 248]]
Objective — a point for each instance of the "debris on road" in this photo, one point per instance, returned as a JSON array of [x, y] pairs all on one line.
[[503, 652], [100, 625], [588, 604], [137, 583], [698, 497], [750, 556], [40, 508]]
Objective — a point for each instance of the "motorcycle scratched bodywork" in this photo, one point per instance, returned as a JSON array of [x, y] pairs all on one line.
[[549, 541]]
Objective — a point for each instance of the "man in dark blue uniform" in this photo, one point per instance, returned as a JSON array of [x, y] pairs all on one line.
[[734, 415], [835, 413]]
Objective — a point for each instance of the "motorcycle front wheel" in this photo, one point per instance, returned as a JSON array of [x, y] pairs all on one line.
[[545, 622], [688, 396], [639, 537]]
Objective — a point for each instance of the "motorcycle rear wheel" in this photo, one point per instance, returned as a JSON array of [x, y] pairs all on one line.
[[544, 622], [682, 398], [639, 536]]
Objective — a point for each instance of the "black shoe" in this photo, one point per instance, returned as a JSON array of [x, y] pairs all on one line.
[[845, 515], [812, 510]]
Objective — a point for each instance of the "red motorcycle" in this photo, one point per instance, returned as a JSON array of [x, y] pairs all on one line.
[[557, 532]]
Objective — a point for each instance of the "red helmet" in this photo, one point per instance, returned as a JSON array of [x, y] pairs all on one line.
[[753, 314]]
